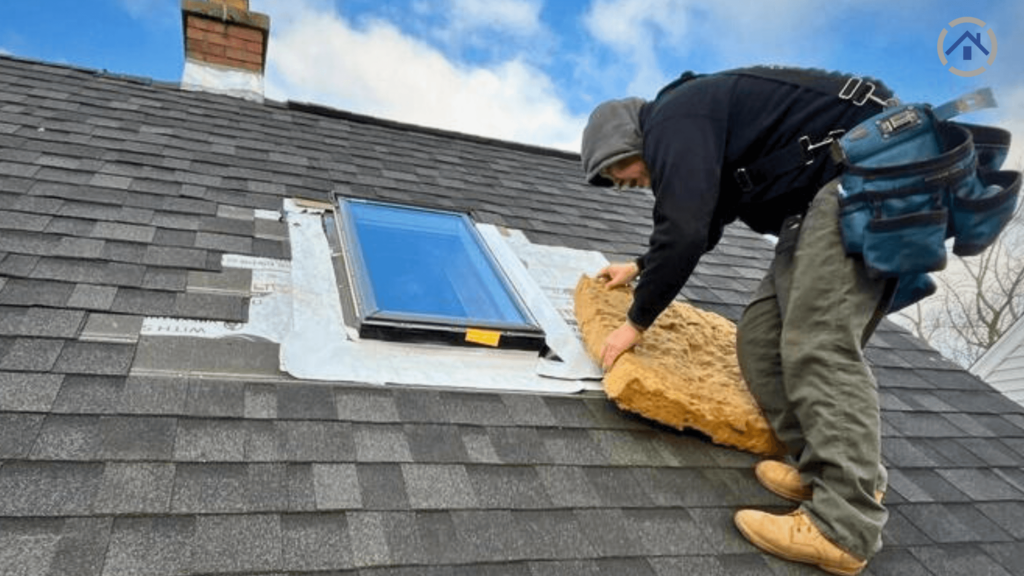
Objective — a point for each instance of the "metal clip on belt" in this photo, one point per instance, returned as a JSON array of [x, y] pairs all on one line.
[[808, 147], [858, 92], [854, 84]]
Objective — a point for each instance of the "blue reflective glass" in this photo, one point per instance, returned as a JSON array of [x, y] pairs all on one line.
[[429, 263]]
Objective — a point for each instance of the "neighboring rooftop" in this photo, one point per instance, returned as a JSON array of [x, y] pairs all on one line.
[[118, 201], [1002, 365]]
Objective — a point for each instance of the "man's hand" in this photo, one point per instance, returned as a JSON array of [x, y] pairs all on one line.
[[621, 339], [619, 274]]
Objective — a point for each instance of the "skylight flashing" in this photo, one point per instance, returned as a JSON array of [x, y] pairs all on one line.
[[296, 308]]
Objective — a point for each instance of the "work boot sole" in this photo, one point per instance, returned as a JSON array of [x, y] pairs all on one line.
[[753, 539]]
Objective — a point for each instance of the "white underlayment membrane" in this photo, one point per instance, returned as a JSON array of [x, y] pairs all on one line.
[[296, 304], [205, 77]]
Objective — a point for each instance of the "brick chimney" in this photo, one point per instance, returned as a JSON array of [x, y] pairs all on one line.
[[225, 47]]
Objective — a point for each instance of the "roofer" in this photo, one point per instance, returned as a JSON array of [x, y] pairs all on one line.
[[752, 144]]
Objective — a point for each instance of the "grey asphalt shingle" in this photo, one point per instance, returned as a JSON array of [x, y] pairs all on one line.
[[28, 392], [94, 358], [315, 542], [260, 401], [211, 440], [161, 544], [438, 486], [29, 546], [167, 279], [123, 252], [366, 405], [336, 487], [68, 438], [25, 292], [382, 487], [143, 438], [478, 446], [92, 297], [31, 355], [82, 547], [303, 441], [49, 489], [209, 488], [143, 395], [508, 487], [568, 487], [143, 302], [431, 443], [172, 256], [210, 306], [17, 434], [18, 265], [381, 443], [135, 488], [959, 561], [224, 242], [215, 398], [122, 454], [517, 445]]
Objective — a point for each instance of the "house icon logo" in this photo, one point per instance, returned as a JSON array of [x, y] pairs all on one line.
[[968, 48]]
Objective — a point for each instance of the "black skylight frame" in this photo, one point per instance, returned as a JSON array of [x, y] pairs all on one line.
[[373, 322]]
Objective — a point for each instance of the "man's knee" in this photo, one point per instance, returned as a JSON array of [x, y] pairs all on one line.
[[757, 341]]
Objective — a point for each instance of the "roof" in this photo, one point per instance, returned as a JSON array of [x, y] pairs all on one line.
[[118, 199], [1002, 365]]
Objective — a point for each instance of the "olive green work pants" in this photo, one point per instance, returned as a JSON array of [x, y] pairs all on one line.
[[800, 345]]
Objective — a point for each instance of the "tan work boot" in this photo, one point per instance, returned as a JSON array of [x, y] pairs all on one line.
[[784, 480], [795, 538]]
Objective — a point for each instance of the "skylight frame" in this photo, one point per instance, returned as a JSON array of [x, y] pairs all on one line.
[[371, 321]]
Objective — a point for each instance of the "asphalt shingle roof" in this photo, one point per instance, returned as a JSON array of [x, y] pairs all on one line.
[[118, 198]]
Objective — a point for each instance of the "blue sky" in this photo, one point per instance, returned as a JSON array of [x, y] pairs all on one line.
[[531, 70]]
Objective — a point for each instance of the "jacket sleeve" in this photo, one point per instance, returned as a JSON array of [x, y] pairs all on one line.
[[684, 155]]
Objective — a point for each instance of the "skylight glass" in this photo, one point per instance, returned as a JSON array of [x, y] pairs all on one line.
[[419, 271]]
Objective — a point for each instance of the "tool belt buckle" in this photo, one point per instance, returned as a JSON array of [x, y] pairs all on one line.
[[808, 147], [853, 85]]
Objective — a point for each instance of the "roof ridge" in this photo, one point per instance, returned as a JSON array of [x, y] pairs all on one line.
[[330, 112], [316, 109], [96, 72]]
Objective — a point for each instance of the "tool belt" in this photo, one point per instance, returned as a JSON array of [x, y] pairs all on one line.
[[913, 179]]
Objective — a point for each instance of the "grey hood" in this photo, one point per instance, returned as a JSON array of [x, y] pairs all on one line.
[[612, 133]]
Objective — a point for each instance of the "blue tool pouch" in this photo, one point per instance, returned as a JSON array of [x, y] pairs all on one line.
[[912, 180]]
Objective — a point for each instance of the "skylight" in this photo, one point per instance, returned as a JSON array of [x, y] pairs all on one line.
[[426, 275]]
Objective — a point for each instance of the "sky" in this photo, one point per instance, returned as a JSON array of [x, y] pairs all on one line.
[[532, 70]]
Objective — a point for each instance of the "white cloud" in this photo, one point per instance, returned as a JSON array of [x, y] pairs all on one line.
[[1011, 101], [649, 34], [318, 56], [518, 17], [5, 52], [633, 28]]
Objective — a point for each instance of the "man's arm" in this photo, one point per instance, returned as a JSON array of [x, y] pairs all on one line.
[[684, 155]]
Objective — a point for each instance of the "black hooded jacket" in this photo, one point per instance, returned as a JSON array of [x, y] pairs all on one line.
[[698, 133]]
